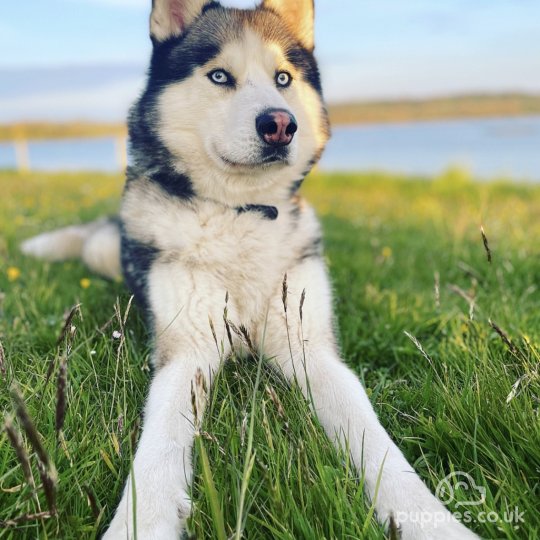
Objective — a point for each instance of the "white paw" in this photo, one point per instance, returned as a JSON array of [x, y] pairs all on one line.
[[120, 530], [155, 519]]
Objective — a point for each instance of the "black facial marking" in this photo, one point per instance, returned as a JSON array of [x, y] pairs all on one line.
[[268, 212], [209, 6], [175, 60], [305, 62], [175, 184]]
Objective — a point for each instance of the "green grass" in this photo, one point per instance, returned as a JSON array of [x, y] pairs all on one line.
[[386, 240]]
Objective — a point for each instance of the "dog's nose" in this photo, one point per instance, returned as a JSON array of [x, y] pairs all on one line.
[[276, 127]]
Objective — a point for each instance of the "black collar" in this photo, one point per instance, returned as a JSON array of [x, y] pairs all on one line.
[[178, 185], [268, 212]]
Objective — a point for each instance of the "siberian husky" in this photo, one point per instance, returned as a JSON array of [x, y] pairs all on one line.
[[231, 121]]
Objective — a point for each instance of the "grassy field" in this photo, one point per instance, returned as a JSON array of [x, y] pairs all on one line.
[[404, 257]]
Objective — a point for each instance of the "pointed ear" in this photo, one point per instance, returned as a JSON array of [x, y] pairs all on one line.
[[170, 18], [299, 16]]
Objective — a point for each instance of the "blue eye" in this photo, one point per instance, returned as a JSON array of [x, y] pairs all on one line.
[[220, 76], [283, 79]]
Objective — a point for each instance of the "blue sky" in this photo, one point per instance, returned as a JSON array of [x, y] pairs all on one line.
[[64, 59]]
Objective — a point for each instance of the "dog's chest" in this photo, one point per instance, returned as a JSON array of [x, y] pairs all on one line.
[[203, 248], [234, 247]]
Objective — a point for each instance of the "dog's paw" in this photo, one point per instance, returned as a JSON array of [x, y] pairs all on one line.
[[156, 519], [120, 530]]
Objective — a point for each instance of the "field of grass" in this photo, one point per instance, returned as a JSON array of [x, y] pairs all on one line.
[[404, 256]]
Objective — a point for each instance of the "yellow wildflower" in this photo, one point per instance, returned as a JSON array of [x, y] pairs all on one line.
[[13, 273], [85, 283], [386, 252]]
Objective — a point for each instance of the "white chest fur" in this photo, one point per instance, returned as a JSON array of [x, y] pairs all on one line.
[[203, 243]]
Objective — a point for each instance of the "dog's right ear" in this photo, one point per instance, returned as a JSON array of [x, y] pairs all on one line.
[[298, 15], [170, 18]]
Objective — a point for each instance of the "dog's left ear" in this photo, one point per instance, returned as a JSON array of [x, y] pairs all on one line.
[[170, 18], [299, 17]]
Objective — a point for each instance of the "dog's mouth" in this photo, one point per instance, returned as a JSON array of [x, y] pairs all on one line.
[[269, 158]]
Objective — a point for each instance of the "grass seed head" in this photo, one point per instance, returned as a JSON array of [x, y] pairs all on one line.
[[393, 529], [504, 336], [418, 345], [3, 370], [437, 290], [228, 327], [25, 518], [243, 429], [20, 451], [48, 482], [67, 328], [213, 330], [274, 398], [135, 433], [284, 290], [198, 398], [486, 244], [128, 309], [301, 307], [120, 425], [92, 501], [61, 401], [30, 429], [247, 339]]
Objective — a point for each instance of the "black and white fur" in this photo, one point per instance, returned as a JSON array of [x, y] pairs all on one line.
[[208, 209]]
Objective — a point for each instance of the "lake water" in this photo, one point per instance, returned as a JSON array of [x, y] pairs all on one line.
[[489, 148]]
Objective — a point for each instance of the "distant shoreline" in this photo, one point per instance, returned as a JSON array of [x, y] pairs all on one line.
[[374, 112], [444, 108]]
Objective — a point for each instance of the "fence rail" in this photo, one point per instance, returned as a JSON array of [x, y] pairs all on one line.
[[23, 151]]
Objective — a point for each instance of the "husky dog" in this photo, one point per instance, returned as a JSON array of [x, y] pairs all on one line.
[[231, 121]]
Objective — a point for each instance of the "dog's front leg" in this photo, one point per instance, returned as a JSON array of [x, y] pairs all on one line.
[[344, 409], [155, 501]]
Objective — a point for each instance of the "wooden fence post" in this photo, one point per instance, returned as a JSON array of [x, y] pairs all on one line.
[[22, 155], [121, 151]]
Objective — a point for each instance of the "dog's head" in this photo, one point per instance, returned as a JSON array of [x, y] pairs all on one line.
[[234, 95]]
